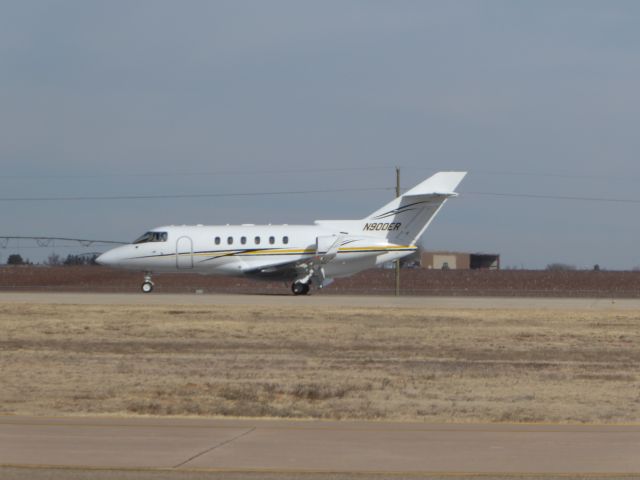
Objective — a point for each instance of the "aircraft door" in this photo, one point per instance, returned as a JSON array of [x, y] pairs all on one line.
[[184, 253]]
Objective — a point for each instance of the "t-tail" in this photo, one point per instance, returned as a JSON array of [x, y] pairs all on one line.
[[403, 220]]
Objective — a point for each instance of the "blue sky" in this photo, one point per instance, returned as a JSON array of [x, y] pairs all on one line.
[[157, 97]]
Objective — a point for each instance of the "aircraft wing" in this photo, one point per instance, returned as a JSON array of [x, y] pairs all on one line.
[[310, 268], [281, 271]]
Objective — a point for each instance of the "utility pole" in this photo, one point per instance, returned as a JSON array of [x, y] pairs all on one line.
[[397, 261]]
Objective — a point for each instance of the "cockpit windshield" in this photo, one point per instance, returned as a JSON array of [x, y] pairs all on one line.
[[152, 237]]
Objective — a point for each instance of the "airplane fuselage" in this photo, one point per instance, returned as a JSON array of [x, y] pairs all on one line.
[[238, 249]]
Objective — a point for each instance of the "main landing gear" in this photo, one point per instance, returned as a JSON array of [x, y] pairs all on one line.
[[299, 288], [147, 286]]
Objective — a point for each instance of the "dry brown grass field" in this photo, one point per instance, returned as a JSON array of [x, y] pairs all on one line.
[[331, 363]]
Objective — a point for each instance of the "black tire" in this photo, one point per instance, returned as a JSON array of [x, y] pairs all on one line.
[[147, 287], [299, 288]]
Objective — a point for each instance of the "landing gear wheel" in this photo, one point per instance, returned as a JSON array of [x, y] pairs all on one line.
[[147, 286], [299, 288]]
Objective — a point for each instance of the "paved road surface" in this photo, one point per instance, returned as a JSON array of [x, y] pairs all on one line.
[[322, 300], [297, 447]]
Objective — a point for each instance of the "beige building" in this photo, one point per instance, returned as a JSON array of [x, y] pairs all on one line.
[[459, 261]]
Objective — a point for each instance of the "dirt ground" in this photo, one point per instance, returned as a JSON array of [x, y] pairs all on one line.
[[331, 363], [417, 281]]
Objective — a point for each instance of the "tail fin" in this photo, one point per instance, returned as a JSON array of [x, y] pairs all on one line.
[[410, 214], [403, 220]]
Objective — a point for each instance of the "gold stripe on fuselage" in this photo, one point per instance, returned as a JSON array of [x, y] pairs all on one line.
[[310, 251]]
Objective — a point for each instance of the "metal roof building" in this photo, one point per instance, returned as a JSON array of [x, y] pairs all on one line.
[[459, 261]]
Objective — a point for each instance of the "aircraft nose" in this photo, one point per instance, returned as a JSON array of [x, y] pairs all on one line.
[[106, 259], [100, 259]]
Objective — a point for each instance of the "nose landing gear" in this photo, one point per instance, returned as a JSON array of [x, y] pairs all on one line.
[[147, 286]]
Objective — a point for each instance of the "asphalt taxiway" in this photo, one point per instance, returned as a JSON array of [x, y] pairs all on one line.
[[317, 447], [323, 300]]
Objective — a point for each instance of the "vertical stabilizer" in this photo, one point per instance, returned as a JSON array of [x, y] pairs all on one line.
[[403, 220], [410, 214]]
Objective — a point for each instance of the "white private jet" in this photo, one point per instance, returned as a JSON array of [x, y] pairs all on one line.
[[300, 254]]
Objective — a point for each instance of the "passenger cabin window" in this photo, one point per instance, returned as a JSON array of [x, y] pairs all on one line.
[[152, 237], [285, 240], [257, 240], [230, 240], [217, 240], [272, 240], [243, 240]]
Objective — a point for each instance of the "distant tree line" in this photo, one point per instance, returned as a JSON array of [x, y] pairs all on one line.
[[54, 259], [561, 267], [81, 259], [564, 267], [17, 259]]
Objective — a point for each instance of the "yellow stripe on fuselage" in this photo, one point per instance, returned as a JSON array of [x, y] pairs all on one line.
[[390, 249], [299, 251], [276, 251], [341, 250]]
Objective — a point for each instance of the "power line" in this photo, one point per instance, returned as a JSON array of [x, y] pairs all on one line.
[[555, 197], [512, 173], [187, 195], [44, 241], [301, 192], [304, 171], [50, 247], [191, 174]]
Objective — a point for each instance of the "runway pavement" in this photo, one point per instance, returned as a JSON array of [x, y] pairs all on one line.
[[322, 301], [314, 447]]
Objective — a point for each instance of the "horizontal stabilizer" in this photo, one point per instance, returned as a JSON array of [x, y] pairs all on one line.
[[442, 183]]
